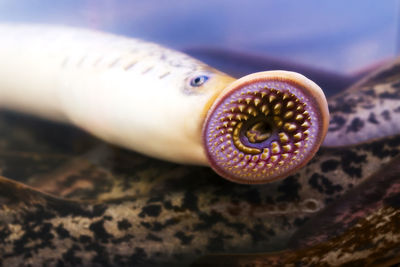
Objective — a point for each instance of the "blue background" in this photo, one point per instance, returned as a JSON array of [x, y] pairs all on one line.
[[344, 36]]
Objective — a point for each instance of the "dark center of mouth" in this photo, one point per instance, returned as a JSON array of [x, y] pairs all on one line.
[[259, 132]]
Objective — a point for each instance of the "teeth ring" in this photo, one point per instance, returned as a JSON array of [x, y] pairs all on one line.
[[269, 116]]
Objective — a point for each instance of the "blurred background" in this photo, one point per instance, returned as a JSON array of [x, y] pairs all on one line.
[[341, 36]]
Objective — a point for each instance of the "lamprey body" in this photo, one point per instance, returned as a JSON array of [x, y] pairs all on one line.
[[367, 110], [128, 92], [163, 103], [120, 208]]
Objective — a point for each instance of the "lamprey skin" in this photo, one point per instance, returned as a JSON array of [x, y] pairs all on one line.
[[142, 215], [369, 109], [163, 103], [381, 190], [128, 92], [265, 126], [360, 229]]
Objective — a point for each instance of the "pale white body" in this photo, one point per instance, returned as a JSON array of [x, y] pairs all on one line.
[[125, 91]]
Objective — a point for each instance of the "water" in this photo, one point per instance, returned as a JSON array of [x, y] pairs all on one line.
[[339, 36], [336, 35]]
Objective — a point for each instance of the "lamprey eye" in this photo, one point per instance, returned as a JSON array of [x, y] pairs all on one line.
[[198, 80], [265, 126]]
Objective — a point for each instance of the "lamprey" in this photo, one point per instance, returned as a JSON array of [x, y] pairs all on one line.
[[163, 103], [117, 207]]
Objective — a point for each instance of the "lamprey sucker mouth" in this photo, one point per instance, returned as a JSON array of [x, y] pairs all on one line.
[[265, 126]]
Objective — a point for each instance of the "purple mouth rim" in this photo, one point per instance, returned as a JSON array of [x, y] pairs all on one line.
[[302, 86]]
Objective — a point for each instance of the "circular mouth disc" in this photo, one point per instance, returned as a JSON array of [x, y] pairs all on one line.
[[265, 126]]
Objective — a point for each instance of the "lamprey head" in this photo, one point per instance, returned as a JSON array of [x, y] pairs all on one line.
[[265, 126]]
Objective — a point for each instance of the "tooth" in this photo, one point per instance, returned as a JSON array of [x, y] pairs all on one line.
[[285, 96], [274, 158], [277, 108], [265, 154], [290, 104], [252, 111], [264, 109], [287, 148], [288, 115], [283, 137], [290, 127], [275, 147], [278, 121], [297, 136]]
